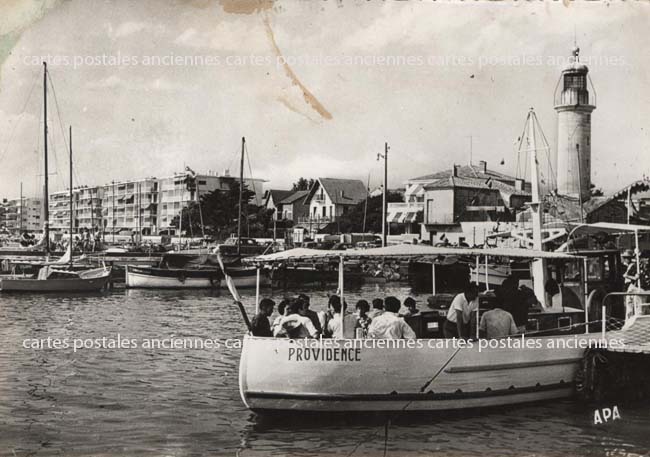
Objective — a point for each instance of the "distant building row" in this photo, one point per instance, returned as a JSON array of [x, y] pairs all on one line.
[[147, 206]]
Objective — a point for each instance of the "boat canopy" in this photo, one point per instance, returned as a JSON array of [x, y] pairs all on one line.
[[407, 250], [607, 227]]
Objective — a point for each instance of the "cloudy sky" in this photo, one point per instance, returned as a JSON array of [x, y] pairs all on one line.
[[315, 87]]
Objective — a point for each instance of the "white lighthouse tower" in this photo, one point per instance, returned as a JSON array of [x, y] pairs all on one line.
[[574, 105]]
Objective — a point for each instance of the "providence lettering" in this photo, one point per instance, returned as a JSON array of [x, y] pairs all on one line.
[[324, 355]]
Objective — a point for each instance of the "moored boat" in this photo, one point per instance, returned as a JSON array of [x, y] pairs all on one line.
[[50, 279], [165, 278], [421, 374]]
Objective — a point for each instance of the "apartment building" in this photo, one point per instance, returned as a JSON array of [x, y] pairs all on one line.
[[130, 206], [27, 216]]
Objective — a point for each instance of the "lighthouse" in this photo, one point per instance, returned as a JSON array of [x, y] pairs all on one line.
[[574, 105]]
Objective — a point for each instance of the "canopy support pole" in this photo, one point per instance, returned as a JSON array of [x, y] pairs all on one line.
[[257, 292], [638, 260], [478, 264], [487, 275], [585, 268], [341, 265], [433, 278]]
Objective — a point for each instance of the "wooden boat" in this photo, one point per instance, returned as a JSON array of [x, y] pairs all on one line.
[[423, 374], [50, 279], [165, 278], [181, 271]]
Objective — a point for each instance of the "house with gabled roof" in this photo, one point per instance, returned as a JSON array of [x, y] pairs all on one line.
[[330, 198], [273, 199], [293, 206]]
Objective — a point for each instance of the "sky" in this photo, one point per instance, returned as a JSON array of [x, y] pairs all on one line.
[[317, 88]]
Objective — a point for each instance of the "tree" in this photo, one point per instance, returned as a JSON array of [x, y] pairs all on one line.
[[352, 221], [220, 214], [191, 220], [303, 184]]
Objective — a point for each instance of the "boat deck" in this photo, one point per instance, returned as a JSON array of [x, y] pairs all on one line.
[[636, 337]]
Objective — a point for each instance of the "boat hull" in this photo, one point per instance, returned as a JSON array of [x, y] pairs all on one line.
[[277, 374], [93, 280], [154, 278]]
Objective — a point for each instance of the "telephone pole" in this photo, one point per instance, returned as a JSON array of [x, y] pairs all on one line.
[[384, 203]]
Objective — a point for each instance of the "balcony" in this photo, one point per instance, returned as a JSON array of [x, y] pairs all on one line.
[[440, 219], [317, 219]]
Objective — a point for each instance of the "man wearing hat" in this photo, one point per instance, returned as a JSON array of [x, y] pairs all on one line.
[[631, 272]]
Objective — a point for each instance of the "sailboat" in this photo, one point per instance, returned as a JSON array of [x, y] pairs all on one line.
[[54, 276], [243, 275], [199, 271], [428, 373]]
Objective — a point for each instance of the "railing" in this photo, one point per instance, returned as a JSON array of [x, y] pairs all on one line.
[[444, 219], [317, 220]]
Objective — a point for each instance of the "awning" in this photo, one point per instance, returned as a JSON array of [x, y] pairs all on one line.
[[408, 250], [409, 217], [607, 227], [393, 217]]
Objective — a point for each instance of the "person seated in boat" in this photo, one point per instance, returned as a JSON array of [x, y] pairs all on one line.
[[312, 315], [363, 320], [260, 325], [529, 302], [460, 312], [560, 297], [497, 323], [333, 328], [276, 327], [389, 325], [410, 309], [294, 325], [377, 308], [507, 294]]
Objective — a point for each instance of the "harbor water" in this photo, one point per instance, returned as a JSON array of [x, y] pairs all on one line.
[[140, 401]]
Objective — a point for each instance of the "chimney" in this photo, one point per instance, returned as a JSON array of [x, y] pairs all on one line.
[[519, 184], [456, 167], [483, 166]]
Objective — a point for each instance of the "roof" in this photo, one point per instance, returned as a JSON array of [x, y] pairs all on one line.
[[341, 191], [407, 250], [466, 171], [278, 195], [297, 195], [638, 186], [450, 182]]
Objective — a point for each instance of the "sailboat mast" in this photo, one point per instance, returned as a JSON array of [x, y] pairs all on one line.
[[70, 195], [534, 182], [21, 208], [241, 194], [46, 203], [538, 267]]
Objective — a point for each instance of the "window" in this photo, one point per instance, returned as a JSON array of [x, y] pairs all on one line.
[[324, 211], [574, 82]]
